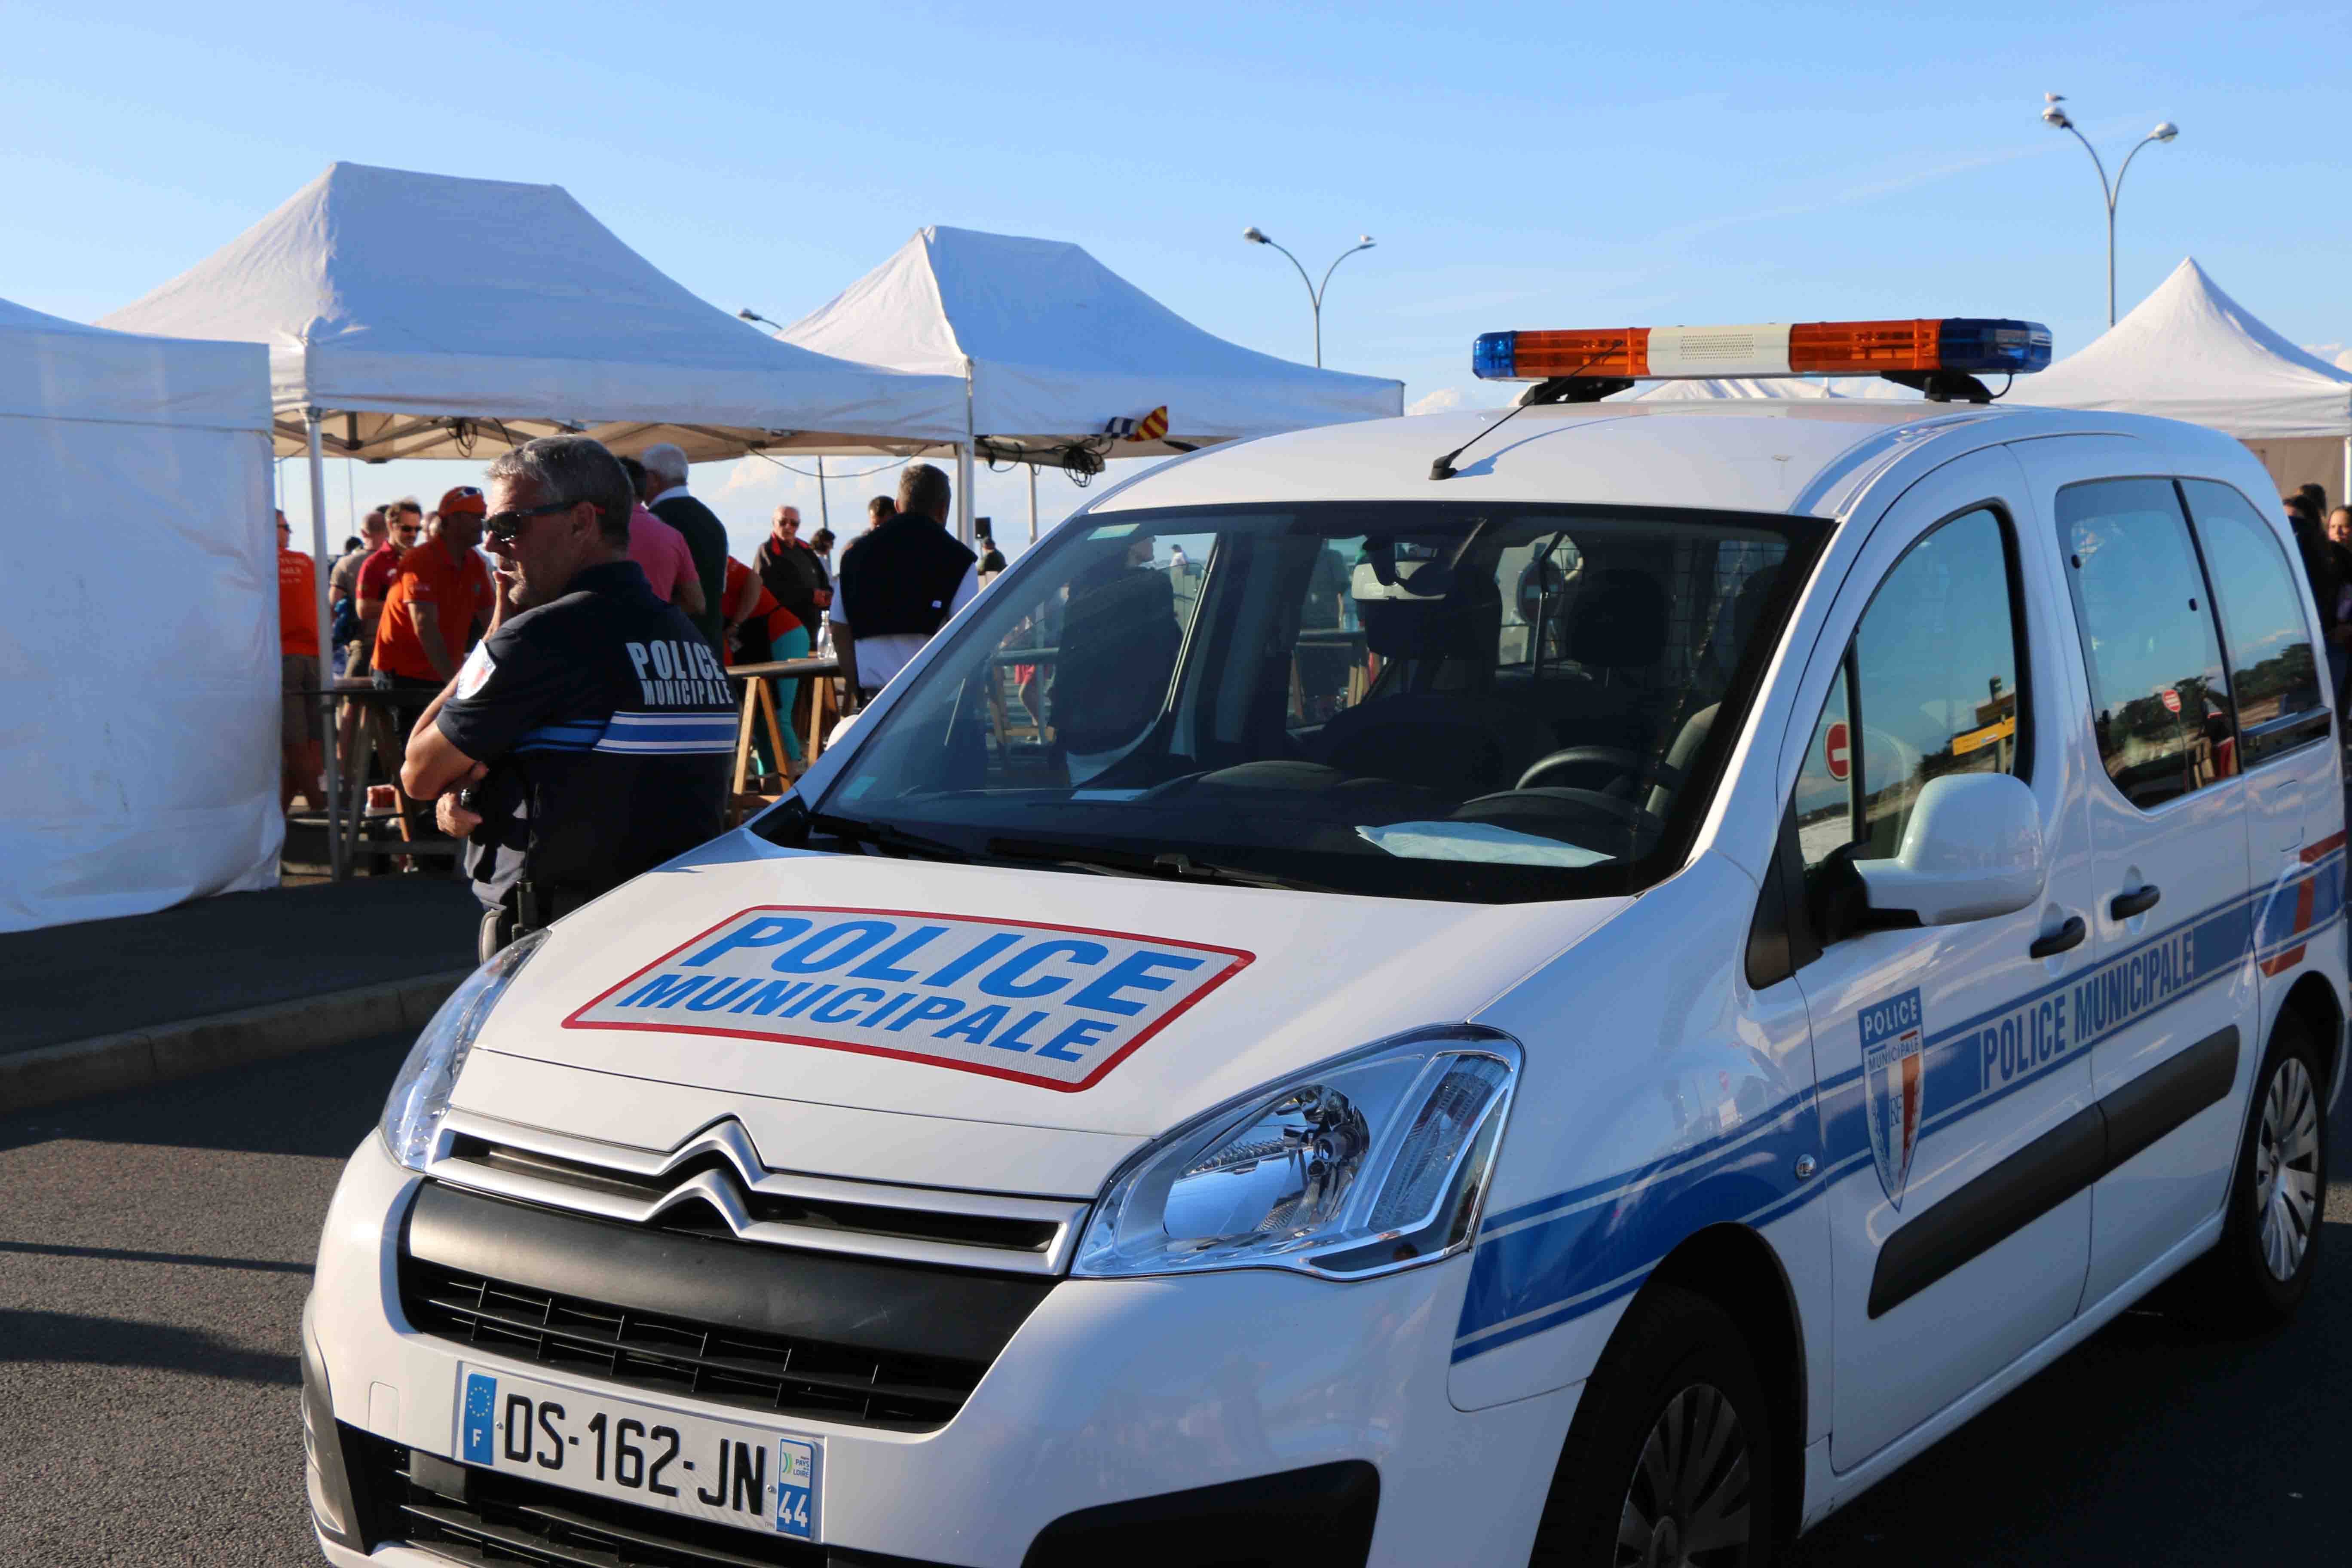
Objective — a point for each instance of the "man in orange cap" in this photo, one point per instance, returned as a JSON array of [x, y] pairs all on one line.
[[438, 605]]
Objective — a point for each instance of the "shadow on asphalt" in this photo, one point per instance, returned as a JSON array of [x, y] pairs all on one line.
[[27, 1336], [2153, 1443], [178, 1259], [318, 1102]]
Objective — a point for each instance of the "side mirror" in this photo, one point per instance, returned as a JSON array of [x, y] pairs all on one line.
[[1971, 850]]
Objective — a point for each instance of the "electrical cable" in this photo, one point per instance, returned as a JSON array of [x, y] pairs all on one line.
[[828, 479]]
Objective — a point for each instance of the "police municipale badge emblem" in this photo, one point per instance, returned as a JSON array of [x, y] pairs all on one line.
[[1892, 1087], [476, 670]]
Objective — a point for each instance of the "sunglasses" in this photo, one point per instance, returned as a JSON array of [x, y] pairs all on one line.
[[408, 530], [503, 526]]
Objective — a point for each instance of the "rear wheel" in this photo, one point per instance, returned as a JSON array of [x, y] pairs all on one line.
[[2260, 1271], [1669, 1463]]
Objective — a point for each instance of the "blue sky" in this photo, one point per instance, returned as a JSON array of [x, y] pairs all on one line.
[[1520, 165]]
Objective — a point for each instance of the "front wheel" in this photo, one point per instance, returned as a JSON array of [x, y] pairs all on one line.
[[1669, 1462], [2260, 1271]]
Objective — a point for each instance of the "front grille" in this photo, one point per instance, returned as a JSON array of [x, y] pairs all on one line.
[[725, 1366], [472, 1515], [1014, 1235]]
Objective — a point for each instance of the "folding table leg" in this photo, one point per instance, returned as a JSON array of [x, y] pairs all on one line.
[[775, 732], [743, 733]]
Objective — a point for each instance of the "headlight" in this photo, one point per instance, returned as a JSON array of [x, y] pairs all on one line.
[[420, 1095], [1374, 1161]]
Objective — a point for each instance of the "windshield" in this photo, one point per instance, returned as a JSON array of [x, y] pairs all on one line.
[[1409, 700]]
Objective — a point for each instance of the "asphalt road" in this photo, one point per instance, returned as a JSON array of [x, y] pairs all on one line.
[[154, 1250]]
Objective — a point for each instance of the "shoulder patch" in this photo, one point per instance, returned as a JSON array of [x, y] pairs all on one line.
[[478, 668]]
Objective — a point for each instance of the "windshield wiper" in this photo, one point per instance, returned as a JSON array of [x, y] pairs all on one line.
[[884, 837], [1166, 866]]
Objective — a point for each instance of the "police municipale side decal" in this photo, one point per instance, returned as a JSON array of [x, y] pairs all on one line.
[[1541, 1264], [1057, 1006]]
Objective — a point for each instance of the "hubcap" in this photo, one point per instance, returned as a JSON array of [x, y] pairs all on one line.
[[1688, 1504], [2286, 1169]]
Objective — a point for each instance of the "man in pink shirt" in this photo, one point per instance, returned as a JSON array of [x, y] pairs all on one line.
[[661, 551]]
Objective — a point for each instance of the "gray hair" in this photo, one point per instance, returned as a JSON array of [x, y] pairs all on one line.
[[924, 491], [573, 469], [666, 458]]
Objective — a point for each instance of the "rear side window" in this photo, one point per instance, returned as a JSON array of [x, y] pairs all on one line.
[[1928, 687], [2160, 703], [2273, 668]]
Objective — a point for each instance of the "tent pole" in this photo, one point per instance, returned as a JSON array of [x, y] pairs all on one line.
[[824, 511], [337, 862], [2345, 496], [1032, 503], [963, 461]]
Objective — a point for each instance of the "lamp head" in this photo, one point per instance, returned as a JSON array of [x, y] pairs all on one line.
[[2164, 131], [2053, 115], [1253, 235]]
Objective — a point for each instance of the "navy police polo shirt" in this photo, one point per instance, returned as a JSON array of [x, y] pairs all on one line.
[[607, 724]]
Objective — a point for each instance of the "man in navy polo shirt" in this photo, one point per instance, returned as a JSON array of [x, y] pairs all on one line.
[[587, 738]]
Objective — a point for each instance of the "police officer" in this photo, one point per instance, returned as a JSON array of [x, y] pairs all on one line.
[[590, 731]]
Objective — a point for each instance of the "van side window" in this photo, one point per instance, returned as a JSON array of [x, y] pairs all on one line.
[[2275, 670], [1928, 687], [2160, 703]]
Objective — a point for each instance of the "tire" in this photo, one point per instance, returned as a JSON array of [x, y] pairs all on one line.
[[1675, 1370], [2261, 1269]]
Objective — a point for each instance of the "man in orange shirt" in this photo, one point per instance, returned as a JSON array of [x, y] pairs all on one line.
[[437, 606], [300, 752]]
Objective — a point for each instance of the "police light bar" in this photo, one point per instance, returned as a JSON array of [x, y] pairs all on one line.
[[1957, 344]]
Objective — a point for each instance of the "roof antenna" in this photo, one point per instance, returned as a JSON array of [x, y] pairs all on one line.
[[1556, 389]]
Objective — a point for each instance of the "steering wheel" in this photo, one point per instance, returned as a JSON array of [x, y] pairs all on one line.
[[1588, 802], [1626, 763]]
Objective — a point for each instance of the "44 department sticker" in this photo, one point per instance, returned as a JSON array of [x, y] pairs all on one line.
[[1056, 1006]]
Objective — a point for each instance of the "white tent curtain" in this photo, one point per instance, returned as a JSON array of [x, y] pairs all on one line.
[[139, 673]]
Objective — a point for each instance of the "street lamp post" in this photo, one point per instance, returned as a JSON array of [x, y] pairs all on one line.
[[2164, 131], [1314, 291]]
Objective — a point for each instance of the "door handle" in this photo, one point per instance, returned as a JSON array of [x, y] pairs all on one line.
[[2126, 905], [2071, 934]]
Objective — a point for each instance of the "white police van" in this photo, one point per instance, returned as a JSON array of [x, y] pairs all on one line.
[[1578, 1005]]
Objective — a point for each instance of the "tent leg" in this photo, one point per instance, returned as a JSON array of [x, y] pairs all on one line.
[[963, 493], [2344, 497], [338, 857], [1032, 503], [823, 509], [963, 462]]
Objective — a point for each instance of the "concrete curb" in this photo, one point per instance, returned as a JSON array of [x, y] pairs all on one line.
[[137, 1058]]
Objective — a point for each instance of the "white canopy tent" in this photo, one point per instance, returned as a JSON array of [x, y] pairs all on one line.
[[421, 313], [412, 315], [2189, 352], [138, 673], [1052, 346]]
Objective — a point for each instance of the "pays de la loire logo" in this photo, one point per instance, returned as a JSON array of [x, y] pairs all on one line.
[[1892, 1086]]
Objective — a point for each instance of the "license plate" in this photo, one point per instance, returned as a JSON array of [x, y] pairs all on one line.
[[731, 1474]]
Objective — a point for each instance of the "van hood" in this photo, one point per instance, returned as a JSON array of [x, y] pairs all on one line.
[[1046, 1000]]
